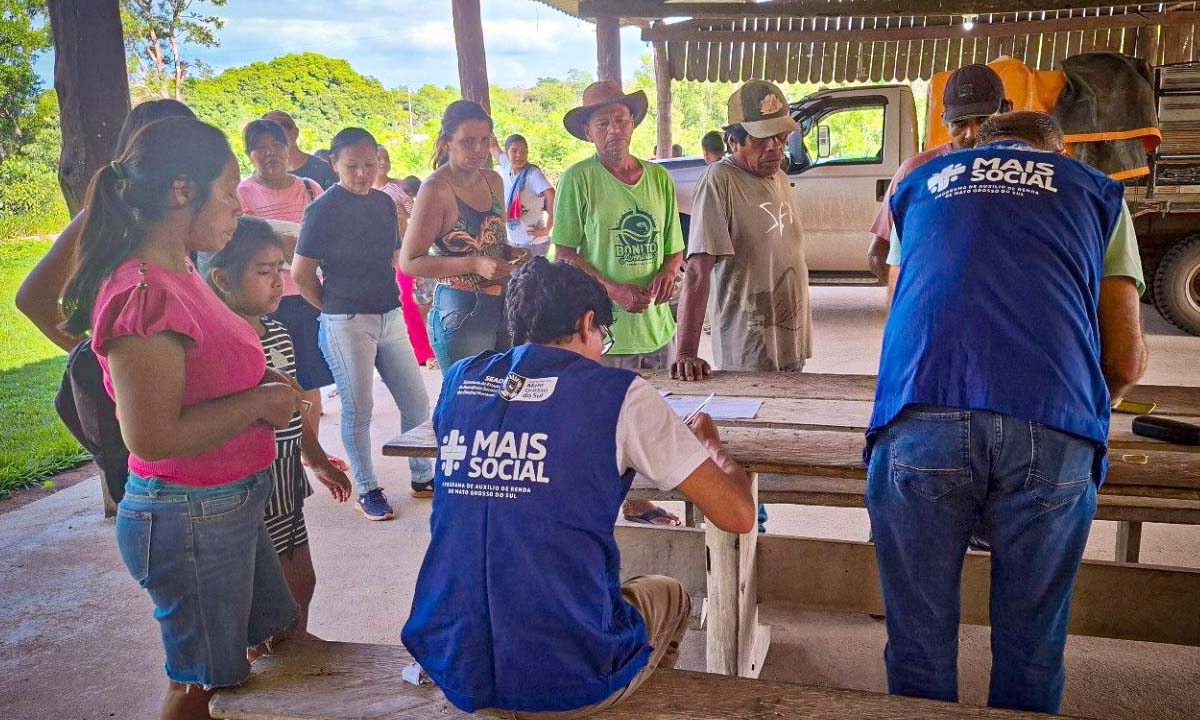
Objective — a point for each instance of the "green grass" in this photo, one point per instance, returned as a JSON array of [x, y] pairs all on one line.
[[46, 222], [33, 443]]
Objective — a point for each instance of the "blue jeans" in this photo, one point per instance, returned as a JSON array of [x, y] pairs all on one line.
[[355, 346], [205, 557], [936, 474], [463, 324]]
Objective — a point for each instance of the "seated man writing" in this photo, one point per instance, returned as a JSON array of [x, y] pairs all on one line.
[[519, 609]]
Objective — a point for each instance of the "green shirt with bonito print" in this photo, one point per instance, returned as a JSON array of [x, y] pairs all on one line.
[[625, 232]]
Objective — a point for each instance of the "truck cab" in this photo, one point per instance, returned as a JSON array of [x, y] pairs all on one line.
[[840, 164], [852, 140], [850, 144]]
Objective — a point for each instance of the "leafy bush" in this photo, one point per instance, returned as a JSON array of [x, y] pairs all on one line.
[[31, 202]]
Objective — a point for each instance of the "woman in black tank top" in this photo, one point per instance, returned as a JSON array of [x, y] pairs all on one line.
[[457, 236]]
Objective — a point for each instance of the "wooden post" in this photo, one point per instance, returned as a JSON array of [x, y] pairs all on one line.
[[92, 86], [736, 643], [608, 48], [662, 91], [1129, 541], [472, 60]]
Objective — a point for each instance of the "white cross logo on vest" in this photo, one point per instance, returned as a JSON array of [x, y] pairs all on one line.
[[503, 456], [452, 452], [942, 179]]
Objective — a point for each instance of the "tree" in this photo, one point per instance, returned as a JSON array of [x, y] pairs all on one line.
[[156, 32], [20, 43]]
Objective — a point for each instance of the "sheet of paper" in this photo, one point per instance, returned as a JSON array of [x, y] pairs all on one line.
[[720, 408]]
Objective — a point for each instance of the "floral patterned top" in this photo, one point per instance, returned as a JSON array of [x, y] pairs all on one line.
[[478, 233]]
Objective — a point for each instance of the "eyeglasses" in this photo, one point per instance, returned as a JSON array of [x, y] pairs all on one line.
[[606, 340]]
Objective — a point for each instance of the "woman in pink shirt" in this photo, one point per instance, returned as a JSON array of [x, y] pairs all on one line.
[[272, 193], [197, 405]]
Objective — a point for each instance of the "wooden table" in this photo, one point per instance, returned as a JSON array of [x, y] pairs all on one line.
[[809, 435]]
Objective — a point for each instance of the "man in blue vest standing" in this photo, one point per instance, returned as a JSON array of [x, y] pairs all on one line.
[[519, 608], [1015, 324]]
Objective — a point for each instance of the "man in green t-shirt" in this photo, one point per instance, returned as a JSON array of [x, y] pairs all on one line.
[[616, 219]]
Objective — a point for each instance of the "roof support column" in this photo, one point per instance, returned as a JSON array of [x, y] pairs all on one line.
[[662, 92], [472, 60], [608, 48]]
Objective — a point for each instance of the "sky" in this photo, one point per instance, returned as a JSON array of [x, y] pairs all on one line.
[[407, 41]]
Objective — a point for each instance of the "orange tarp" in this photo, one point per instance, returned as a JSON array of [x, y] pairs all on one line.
[[1028, 89], [1032, 90]]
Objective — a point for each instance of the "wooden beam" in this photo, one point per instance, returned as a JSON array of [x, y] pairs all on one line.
[[849, 493], [92, 86], [472, 58], [658, 10], [662, 93], [929, 32], [340, 681], [1153, 603], [736, 643], [608, 48], [678, 554], [1129, 541]]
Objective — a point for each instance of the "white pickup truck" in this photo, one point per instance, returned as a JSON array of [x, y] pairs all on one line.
[[853, 140]]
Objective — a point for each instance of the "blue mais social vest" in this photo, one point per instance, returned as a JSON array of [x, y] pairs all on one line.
[[996, 307], [518, 603]]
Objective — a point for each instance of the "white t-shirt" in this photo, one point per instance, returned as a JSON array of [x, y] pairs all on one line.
[[532, 203], [653, 440]]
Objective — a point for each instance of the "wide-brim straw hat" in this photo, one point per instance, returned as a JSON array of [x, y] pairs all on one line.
[[599, 94]]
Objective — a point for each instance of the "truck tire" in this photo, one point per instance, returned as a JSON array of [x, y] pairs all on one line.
[[1177, 285]]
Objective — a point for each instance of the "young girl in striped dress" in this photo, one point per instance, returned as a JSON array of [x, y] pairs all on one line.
[[247, 275]]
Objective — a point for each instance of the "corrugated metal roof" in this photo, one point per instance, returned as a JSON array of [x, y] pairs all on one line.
[[897, 48]]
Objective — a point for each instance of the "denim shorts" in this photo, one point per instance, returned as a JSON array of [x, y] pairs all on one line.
[[206, 559]]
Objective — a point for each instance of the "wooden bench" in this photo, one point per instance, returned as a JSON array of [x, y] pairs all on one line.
[[1123, 601], [350, 681]]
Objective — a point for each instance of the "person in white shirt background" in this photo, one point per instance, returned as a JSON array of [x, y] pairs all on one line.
[[528, 196]]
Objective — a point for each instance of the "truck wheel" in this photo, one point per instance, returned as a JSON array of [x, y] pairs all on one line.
[[1177, 285]]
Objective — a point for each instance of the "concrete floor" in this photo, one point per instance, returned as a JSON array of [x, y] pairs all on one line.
[[77, 639]]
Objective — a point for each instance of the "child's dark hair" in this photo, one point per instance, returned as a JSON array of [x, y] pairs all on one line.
[[251, 236], [411, 184], [145, 113], [513, 139], [348, 137], [546, 300], [254, 128], [133, 192], [457, 113]]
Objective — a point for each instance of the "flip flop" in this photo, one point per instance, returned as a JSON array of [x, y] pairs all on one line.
[[422, 490], [648, 518]]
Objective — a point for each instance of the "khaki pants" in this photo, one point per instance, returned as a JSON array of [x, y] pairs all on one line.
[[665, 607], [659, 359]]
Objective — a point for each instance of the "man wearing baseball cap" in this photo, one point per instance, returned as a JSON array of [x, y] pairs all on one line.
[[973, 94], [746, 249], [616, 219]]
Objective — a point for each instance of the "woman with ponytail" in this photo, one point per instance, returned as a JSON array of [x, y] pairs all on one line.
[[198, 406], [457, 236]]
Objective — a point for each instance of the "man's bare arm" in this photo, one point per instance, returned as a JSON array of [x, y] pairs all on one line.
[[1123, 351]]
